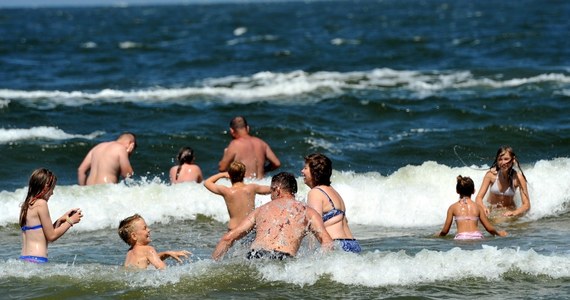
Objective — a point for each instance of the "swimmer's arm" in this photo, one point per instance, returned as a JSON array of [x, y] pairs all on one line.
[[317, 228], [489, 227], [83, 169], [274, 162], [525, 199], [174, 254], [231, 236], [211, 185], [154, 258], [125, 165], [448, 220], [229, 156], [52, 231], [482, 191], [262, 189]]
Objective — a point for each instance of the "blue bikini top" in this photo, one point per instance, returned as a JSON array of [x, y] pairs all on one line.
[[26, 228], [333, 212]]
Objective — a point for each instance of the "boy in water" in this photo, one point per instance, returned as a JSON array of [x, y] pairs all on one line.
[[240, 197], [133, 231]]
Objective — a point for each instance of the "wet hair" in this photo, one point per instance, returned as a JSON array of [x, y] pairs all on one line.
[[41, 182], [320, 167], [238, 123], [286, 181], [236, 171], [126, 228], [502, 151], [465, 186], [185, 156]]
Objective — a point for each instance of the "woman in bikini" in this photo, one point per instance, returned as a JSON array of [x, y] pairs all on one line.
[[467, 214], [35, 221], [502, 180], [186, 170], [327, 201]]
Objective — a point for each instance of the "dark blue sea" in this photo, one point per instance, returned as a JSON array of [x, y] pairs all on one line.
[[403, 96]]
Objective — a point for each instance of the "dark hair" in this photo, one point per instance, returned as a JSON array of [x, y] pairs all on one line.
[[185, 156], [502, 151], [286, 181], [465, 186], [126, 228], [236, 171], [320, 167], [41, 181], [238, 122]]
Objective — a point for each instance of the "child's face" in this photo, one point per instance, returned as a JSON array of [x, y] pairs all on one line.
[[141, 233]]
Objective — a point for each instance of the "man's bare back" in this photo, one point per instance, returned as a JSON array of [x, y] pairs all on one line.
[[105, 162], [251, 151]]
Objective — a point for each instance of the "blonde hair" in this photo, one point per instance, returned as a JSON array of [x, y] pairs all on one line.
[[126, 228], [236, 171]]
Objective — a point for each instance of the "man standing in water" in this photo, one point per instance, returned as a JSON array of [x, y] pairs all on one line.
[[107, 161], [253, 152], [281, 224]]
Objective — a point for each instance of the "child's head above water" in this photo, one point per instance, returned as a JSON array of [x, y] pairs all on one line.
[[129, 229]]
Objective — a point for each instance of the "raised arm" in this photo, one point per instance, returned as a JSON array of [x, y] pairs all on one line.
[[211, 185]]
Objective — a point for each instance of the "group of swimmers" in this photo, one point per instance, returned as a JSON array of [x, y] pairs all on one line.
[[280, 224]]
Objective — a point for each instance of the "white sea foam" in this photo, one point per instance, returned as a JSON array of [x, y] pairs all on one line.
[[413, 196], [397, 268], [8, 135], [281, 87]]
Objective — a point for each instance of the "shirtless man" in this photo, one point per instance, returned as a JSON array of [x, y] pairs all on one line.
[[240, 197], [253, 152], [281, 224], [107, 161]]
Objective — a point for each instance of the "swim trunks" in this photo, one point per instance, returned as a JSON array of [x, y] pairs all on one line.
[[273, 254], [34, 259], [469, 235], [349, 245]]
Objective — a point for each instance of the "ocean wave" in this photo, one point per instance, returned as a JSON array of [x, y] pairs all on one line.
[[413, 196], [304, 86], [9, 135], [397, 269]]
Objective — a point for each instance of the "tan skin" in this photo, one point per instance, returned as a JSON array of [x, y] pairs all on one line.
[[239, 198], [35, 242], [188, 173], [107, 162], [280, 224], [465, 207], [336, 226], [253, 152], [142, 254], [505, 162]]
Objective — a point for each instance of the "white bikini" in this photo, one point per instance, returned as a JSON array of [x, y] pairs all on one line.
[[509, 192]]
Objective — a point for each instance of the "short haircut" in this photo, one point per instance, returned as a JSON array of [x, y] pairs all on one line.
[[286, 181], [129, 134], [126, 228], [320, 167], [465, 186], [238, 122], [236, 171]]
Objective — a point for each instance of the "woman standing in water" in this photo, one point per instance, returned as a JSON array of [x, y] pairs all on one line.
[[35, 221], [501, 181], [327, 201]]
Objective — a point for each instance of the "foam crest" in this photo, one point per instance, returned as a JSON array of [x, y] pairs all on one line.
[[413, 196], [400, 268], [41, 132], [281, 87]]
